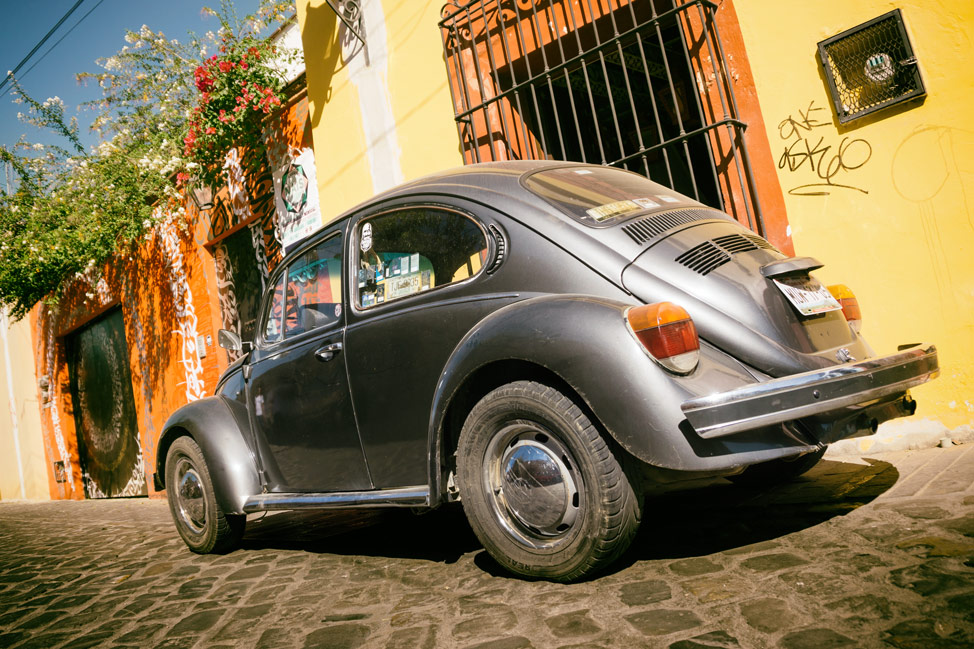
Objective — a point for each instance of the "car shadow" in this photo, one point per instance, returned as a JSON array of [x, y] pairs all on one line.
[[720, 516], [440, 535], [696, 520]]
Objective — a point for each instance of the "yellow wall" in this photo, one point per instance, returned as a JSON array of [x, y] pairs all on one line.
[[377, 125], [907, 246], [29, 480]]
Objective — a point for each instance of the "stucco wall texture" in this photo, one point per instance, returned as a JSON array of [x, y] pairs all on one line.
[[22, 460], [903, 236]]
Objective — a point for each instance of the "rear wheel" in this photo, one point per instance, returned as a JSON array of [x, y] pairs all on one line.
[[199, 519], [775, 471], [540, 486]]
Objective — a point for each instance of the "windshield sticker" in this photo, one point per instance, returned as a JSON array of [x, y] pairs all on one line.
[[668, 199], [366, 242], [338, 310], [414, 263], [612, 210], [645, 202]]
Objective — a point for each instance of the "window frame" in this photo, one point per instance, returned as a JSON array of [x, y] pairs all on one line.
[[355, 251], [281, 272]]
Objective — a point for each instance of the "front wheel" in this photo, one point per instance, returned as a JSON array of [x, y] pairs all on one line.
[[199, 519], [540, 486]]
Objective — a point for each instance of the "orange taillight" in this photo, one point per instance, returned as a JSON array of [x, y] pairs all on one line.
[[850, 305], [668, 333]]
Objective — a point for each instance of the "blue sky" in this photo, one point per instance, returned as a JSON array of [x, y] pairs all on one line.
[[99, 35]]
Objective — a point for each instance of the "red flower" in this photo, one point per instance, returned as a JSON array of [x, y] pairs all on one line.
[[210, 130], [226, 66]]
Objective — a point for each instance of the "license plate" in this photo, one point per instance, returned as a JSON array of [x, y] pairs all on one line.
[[807, 295]]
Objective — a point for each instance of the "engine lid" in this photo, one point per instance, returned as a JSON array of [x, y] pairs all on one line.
[[724, 276]]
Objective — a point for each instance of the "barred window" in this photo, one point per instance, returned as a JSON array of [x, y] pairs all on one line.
[[637, 84]]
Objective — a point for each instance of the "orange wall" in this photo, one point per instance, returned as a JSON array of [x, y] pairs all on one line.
[[168, 294]]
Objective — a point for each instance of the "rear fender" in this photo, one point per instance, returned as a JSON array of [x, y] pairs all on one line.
[[222, 439], [584, 340]]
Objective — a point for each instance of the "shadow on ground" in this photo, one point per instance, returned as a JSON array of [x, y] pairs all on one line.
[[693, 521]]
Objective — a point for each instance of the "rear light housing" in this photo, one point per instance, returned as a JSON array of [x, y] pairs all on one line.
[[850, 305], [668, 334]]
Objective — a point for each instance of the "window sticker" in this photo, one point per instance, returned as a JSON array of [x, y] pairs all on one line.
[[611, 210], [425, 281], [338, 310], [414, 263], [403, 286], [366, 242], [645, 202]]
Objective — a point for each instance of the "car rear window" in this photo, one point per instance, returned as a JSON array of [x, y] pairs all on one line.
[[601, 196]]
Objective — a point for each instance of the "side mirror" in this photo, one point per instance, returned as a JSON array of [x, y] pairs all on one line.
[[231, 340]]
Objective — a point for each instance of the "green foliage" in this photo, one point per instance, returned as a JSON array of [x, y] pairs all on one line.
[[72, 210]]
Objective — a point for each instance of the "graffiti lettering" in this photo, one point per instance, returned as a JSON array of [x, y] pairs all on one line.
[[182, 298], [802, 152]]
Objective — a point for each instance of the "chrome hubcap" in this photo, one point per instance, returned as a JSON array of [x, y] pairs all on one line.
[[533, 484], [190, 501]]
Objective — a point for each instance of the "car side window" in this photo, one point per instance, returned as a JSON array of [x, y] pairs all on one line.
[[409, 251], [308, 294]]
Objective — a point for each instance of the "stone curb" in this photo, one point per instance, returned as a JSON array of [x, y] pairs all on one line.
[[904, 436]]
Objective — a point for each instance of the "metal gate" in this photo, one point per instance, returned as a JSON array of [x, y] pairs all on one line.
[[638, 84], [104, 409]]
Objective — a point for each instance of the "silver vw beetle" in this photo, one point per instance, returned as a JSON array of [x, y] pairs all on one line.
[[545, 342]]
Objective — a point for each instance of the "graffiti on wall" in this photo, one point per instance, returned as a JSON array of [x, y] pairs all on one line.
[[809, 152], [182, 298], [226, 294]]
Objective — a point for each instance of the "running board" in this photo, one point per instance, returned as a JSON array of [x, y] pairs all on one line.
[[403, 497]]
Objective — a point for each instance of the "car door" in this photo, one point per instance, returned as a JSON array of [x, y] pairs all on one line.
[[300, 405], [418, 284]]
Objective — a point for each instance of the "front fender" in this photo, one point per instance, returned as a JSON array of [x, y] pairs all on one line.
[[222, 438], [584, 340]]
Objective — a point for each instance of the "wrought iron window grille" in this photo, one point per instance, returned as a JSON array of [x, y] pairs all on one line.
[[639, 84], [871, 67], [350, 13]]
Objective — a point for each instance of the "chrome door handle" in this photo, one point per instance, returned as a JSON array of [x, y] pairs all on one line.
[[328, 352]]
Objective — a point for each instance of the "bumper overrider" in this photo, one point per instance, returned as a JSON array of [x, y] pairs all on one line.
[[815, 393]]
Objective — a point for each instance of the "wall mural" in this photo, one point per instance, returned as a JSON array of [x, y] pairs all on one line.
[[109, 451], [809, 154], [226, 293], [182, 297]]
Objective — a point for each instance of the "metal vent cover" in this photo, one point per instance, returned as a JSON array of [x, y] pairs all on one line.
[[870, 67], [649, 227], [703, 258], [711, 255]]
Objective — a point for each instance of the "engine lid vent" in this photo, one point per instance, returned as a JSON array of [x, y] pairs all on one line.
[[704, 258], [710, 255], [646, 228]]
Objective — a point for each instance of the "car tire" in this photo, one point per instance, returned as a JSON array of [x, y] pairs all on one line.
[[541, 488], [777, 471], [199, 519]]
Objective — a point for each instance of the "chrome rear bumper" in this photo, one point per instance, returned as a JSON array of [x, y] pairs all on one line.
[[811, 393]]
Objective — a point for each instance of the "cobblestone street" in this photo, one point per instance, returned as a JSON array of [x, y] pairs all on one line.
[[874, 552]]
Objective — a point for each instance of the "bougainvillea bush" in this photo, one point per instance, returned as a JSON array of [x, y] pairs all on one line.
[[236, 91], [169, 111]]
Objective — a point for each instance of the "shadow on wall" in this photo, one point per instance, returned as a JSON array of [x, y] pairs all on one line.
[[322, 37]]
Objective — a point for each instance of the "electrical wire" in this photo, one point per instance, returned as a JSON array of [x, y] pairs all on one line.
[[10, 75], [56, 43]]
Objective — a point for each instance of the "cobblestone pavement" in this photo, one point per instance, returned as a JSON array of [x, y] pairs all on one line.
[[859, 553]]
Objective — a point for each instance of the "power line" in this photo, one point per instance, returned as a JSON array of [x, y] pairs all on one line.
[[40, 44], [56, 43]]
